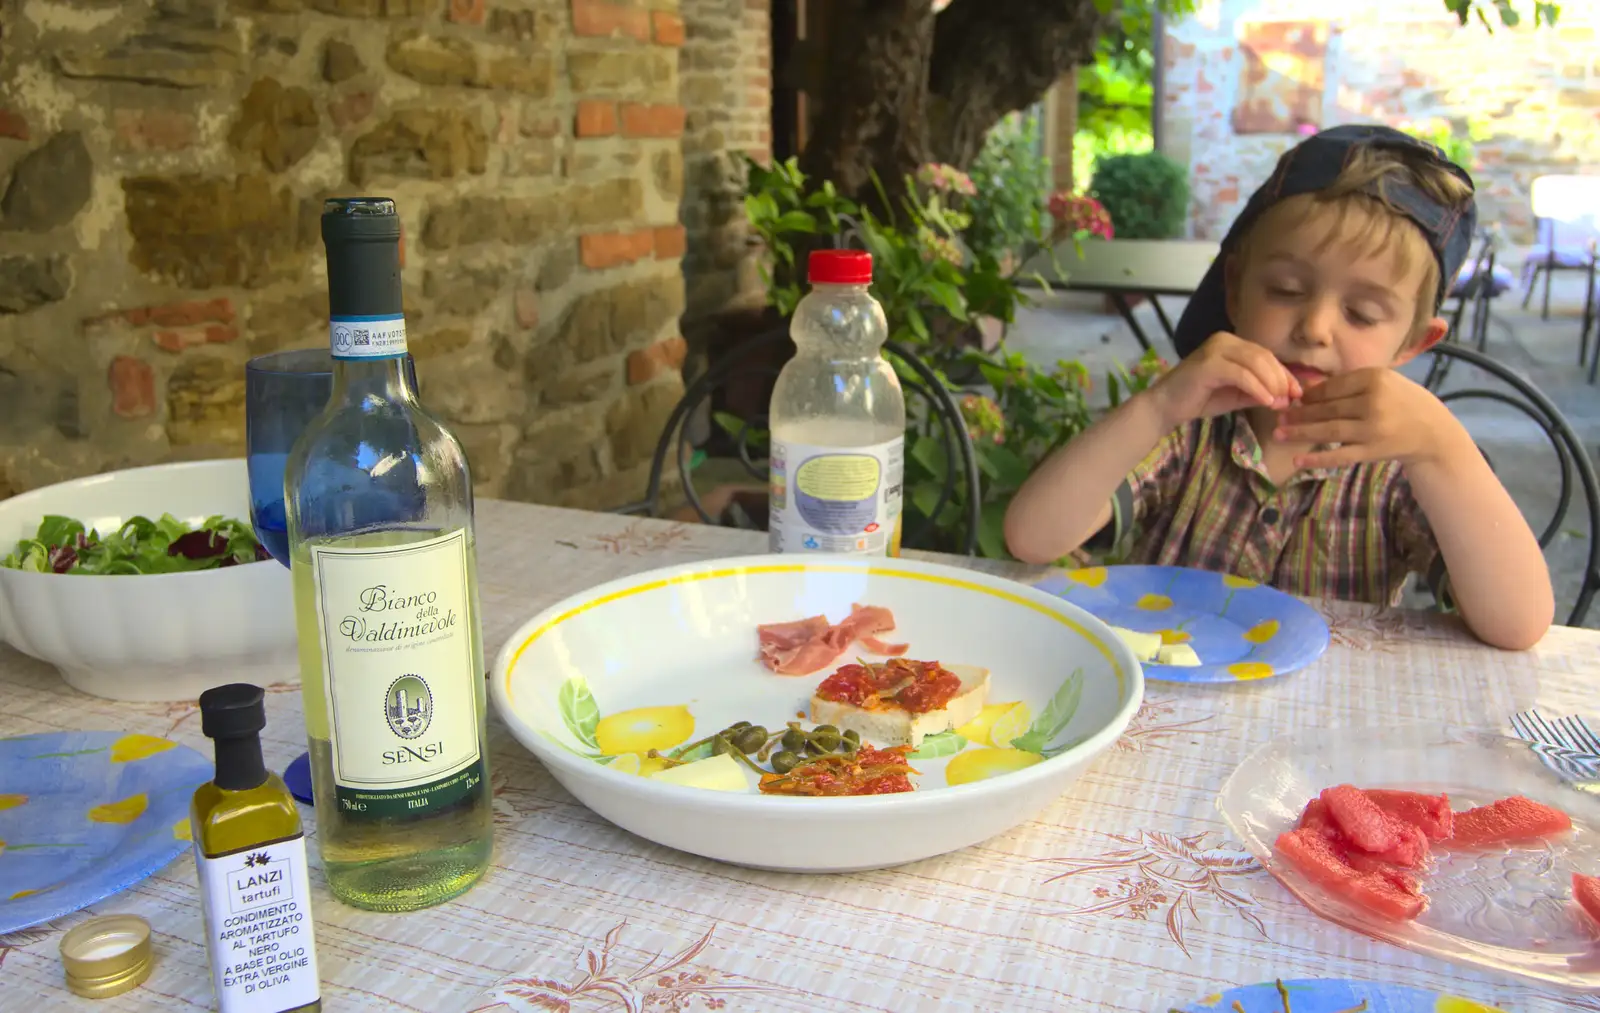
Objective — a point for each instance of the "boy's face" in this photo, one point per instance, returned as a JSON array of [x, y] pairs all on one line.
[[1325, 308]]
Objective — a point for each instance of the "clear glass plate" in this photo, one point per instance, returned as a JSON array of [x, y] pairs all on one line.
[[1508, 909]]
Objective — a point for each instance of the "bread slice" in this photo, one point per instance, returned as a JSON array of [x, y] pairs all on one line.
[[898, 727]]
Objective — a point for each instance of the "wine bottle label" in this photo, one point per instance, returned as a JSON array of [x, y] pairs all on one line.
[[379, 337], [257, 906], [831, 499], [398, 674]]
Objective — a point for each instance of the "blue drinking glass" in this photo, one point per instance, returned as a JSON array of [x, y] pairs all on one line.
[[283, 392]]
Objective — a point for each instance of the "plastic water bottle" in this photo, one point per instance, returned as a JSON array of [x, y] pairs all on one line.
[[838, 420]]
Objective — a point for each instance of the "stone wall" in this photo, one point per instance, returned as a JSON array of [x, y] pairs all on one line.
[[163, 163], [727, 94], [1536, 91]]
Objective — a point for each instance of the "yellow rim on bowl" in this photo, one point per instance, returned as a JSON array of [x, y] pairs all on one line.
[[869, 570], [1123, 665]]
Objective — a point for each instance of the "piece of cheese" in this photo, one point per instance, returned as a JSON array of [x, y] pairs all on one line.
[[1143, 645], [1178, 654], [716, 773]]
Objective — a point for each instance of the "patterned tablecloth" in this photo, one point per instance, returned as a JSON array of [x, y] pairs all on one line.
[[1126, 894]]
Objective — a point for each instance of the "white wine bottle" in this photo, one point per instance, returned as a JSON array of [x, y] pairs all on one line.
[[379, 507]]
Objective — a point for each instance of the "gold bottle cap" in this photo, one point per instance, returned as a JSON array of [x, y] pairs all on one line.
[[106, 956]]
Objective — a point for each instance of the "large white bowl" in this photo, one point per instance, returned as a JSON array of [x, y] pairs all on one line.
[[685, 637], [159, 636]]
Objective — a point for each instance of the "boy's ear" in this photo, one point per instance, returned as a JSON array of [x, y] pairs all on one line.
[[1432, 334]]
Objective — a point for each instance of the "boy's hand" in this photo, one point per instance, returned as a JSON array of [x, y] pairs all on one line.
[[1374, 415], [1223, 375]]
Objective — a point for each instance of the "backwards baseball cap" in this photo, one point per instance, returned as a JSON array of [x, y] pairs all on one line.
[[1312, 166]]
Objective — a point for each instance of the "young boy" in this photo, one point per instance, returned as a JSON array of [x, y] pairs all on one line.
[[1284, 447]]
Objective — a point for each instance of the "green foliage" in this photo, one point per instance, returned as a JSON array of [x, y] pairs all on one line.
[[1011, 176], [780, 211], [1459, 143], [1507, 10], [933, 279], [1147, 194]]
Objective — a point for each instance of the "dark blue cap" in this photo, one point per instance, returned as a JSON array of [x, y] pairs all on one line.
[[1312, 166]]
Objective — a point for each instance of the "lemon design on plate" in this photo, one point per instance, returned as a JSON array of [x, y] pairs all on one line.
[[1238, 583], [138, 747], [627, 763], [1170, 637], [12, 801], [1154, 603], [1262, 632], [1089, 576], [181, 831], [982, 764], [1244, 671], [1456, 1004], [982, 729], [1012, 725], [652, 765], [23, 893], [643, 729], [121, 811]]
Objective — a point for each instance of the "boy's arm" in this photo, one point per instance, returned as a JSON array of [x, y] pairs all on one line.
[[1498, 575], [1068, 498]]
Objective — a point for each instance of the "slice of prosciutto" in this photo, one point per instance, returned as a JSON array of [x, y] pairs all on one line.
[[804, 646]]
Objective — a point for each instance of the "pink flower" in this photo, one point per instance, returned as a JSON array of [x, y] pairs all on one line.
[[1080, 214], [983, 417], [946, 179], [936, 247]]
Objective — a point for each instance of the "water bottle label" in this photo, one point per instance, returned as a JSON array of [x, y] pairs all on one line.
[[830, 499], [399, 674], [382, 337], [257, 908]]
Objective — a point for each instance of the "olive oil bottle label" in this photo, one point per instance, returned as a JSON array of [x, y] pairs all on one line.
[[398, 674], [257, 904]]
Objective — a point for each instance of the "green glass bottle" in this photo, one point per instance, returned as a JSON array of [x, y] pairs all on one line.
[[250, 852]]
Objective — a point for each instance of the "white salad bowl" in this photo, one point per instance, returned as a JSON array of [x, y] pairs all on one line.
[[669, 657], [159, 636]]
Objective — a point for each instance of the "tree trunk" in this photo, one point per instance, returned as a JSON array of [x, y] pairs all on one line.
[[874, 94], [993, 57], [904, 86]]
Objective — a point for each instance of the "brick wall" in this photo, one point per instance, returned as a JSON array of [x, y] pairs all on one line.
[[163, 164], [727, 92], [1537, 91]]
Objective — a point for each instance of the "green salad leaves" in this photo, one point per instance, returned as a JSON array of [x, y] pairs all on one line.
[[141, 545]]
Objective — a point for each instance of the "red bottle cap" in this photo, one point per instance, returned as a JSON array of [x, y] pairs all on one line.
[[839, 267]]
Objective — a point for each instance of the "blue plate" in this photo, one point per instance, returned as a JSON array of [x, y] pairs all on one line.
[[1320, 995], [1240, 629], [85, 815]]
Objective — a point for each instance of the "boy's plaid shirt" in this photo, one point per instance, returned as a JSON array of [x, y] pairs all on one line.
[[1201, 498]]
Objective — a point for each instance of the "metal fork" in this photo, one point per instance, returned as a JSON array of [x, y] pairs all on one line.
[[1579, 733], [1561, 753]]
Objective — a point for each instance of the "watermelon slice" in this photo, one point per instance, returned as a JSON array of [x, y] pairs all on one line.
[[1429, 813], [1509, 819], [1316, 817], [1319, 859], [1586, 891], [1372, 830]]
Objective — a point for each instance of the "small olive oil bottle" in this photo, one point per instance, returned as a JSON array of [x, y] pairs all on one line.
[[251, 855]]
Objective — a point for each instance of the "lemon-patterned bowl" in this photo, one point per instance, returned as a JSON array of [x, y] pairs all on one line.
[[666, 658]]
